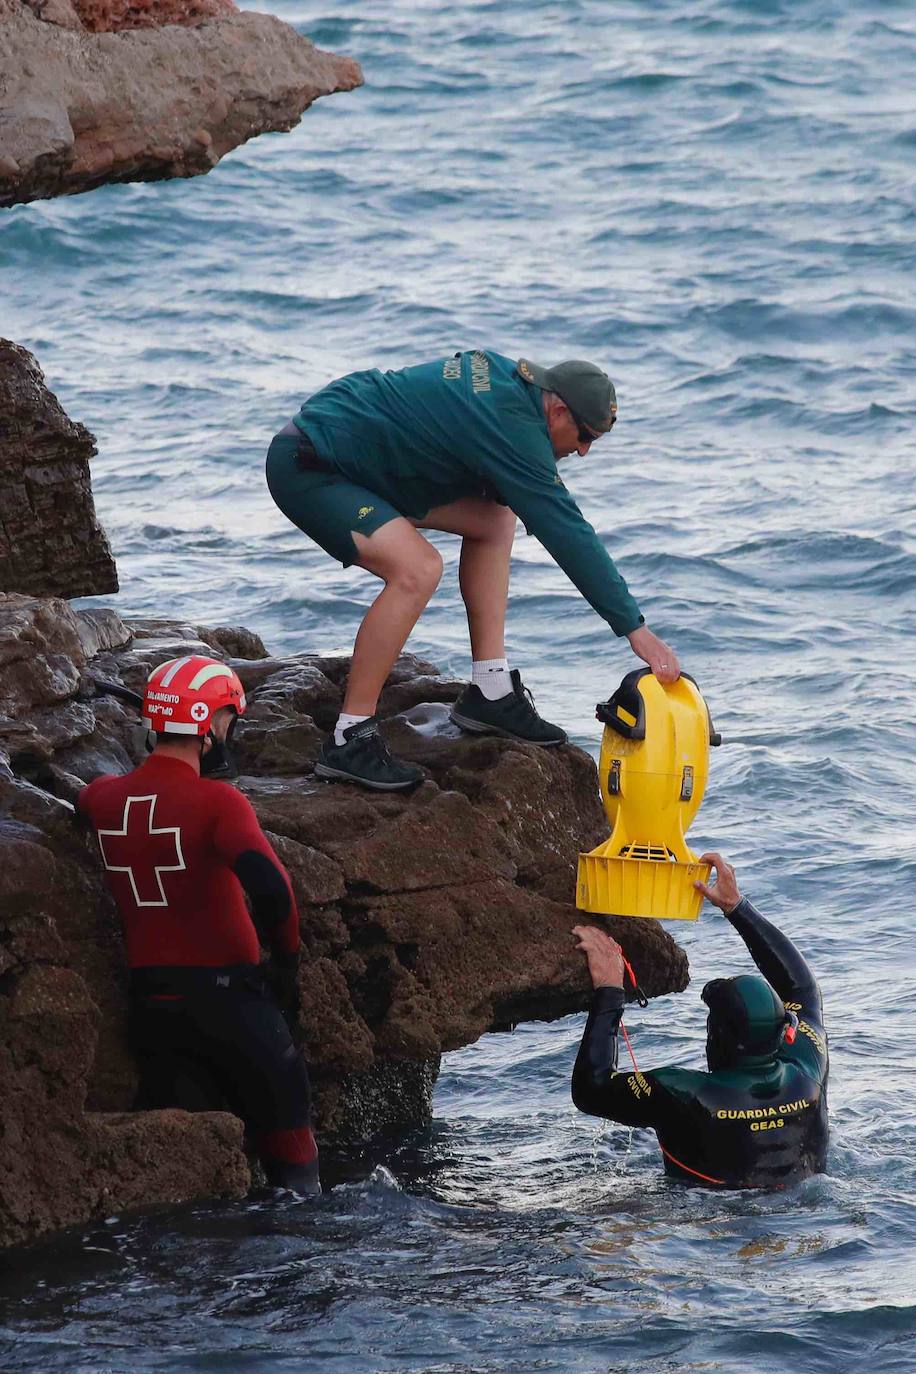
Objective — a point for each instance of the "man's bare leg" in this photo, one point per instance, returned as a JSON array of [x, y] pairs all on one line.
[[488, 531], [410, 568], [495, 702]]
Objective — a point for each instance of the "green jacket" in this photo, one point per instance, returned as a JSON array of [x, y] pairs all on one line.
[[466, 425]]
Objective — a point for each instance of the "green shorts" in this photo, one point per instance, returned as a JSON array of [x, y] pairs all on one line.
[[325, 505]]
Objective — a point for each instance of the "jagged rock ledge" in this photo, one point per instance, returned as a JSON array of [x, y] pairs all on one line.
[[50, 540], [427, 920], [79, 109]]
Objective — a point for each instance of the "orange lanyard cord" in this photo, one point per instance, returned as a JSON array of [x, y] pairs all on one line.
[[643, 1001]]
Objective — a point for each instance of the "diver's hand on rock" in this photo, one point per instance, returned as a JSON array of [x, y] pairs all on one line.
[[660, 657], [724, 891], [604, 955]]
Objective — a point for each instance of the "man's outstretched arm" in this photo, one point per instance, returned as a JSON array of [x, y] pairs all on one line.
[[529, 483]]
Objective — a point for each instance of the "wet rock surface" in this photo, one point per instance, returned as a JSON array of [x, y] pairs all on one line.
[[427, 919], [51, 543], [111, 16], [183, 82]]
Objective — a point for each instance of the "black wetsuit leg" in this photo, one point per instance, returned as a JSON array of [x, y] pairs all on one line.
[[209, 1048], [172, 1074]]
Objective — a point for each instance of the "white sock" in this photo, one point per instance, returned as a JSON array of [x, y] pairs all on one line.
[[343, 723], [491, 675]]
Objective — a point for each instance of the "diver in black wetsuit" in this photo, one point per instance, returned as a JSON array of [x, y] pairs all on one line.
[[759, 1117]]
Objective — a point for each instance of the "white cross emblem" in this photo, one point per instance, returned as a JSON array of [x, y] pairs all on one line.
[[146, 871]]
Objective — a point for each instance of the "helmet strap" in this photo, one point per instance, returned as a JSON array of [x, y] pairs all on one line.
[[217, 761]]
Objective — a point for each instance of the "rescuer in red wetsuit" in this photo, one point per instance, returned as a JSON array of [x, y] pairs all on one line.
[[180, 853]]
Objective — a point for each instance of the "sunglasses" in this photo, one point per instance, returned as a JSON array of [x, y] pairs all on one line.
[[587, 435]]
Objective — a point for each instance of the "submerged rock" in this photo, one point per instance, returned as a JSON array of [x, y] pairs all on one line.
[[426, 919], [169, 99]]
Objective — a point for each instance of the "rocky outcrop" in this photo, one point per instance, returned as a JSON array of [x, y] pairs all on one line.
[[111, 16], [51, 543], [426, 919], [79, 109]]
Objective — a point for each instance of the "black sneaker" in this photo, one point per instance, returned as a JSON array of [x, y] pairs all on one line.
[[513, 715], [365, 758]]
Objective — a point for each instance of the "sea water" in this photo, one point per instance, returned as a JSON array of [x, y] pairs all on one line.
[[715, 201]]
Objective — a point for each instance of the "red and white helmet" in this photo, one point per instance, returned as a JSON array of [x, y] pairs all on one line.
[[183, 695]]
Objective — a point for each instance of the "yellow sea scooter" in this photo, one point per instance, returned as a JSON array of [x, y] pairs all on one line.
[[653, 769]]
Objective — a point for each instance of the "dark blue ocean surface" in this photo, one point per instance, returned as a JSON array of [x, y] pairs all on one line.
[[717, 202]]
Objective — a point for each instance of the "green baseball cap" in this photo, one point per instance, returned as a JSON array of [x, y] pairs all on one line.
[[582, 386]]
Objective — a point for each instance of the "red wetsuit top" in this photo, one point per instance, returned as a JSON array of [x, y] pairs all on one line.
[[178, 851]]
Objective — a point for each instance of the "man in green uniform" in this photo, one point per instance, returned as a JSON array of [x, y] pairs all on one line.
[[464, 444], [758, 1118]]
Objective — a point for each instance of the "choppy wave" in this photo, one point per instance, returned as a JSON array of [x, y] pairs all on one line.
[[716, 201]]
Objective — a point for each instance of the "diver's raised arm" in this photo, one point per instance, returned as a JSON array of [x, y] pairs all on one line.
[[777, 958]]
